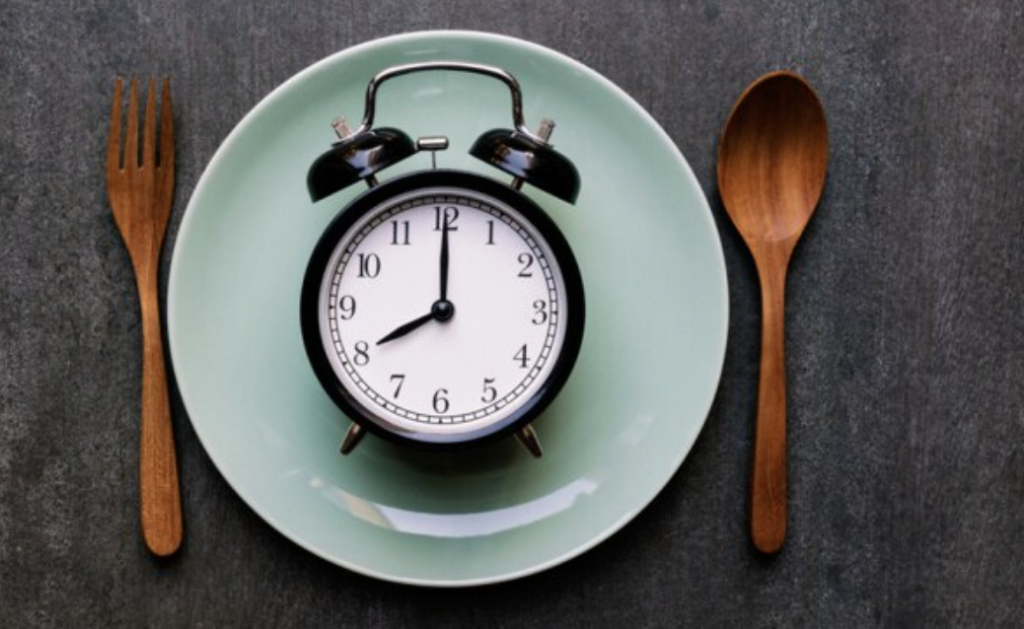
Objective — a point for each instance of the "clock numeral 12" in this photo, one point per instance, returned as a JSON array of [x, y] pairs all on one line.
[[450, 214], [490, 232]]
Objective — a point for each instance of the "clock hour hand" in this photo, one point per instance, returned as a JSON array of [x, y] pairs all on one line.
[[442, 311], [402, 330]]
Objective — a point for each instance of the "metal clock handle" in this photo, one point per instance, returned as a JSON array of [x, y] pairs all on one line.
[[452, 66]]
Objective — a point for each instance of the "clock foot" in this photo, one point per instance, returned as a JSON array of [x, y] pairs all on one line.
[[352, 438], [528, 437]]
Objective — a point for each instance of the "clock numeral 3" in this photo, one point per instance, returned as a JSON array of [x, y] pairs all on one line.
[[526, 259], [441, 403], [362, 355], [540, 307], [347, 304], [369, 265], [490, 393]]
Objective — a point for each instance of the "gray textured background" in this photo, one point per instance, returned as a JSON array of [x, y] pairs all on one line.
[[905, 338]]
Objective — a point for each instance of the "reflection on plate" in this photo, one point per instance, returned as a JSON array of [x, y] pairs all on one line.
[[651, 358]]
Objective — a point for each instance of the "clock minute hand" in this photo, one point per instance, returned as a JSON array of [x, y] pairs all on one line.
[[402, 330], [444, 262]]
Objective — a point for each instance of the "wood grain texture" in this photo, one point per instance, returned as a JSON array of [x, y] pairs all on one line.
[[772, 160], [769, 505], [904, 342], [140, 189]]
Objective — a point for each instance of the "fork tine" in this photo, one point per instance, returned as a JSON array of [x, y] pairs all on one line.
[[114, 139], [149, 130], [131, 141], [164, 182], [167, 131]]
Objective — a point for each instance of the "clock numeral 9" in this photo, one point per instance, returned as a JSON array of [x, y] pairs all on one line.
[[441, 403], [526, 259], [490, 393], [521, 357], [362, 355], [347, 305], [540, 307], [450, 214], [369, 265]]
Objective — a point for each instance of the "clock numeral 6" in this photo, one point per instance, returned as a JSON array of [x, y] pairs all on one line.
[[369, 265], [490, 393], [441, 403], [362, 356], [347, 305]]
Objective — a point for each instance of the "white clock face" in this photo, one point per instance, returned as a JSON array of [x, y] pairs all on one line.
[[442, 311]]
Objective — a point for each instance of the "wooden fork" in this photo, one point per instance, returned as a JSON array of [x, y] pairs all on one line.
[[140, 195]]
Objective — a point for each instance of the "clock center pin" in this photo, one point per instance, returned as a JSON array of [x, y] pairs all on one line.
[[443, 310]]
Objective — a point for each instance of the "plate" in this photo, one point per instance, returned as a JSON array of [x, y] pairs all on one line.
[[648, 370]]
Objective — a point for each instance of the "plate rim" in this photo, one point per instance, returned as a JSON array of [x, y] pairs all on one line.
[[185, 226]]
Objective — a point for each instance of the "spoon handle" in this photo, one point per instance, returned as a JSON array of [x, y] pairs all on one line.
[[768, 472]]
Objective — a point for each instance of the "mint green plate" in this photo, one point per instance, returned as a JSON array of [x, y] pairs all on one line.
[[652, 352]]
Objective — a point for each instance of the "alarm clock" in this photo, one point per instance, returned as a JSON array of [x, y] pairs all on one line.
[[442, 308]]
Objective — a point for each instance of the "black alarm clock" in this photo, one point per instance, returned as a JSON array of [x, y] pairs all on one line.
[[442, 308]]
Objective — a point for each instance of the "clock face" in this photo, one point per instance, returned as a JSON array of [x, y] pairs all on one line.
[[443, 312]]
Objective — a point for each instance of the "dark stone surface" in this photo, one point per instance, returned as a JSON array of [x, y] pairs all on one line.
[[905, 336]]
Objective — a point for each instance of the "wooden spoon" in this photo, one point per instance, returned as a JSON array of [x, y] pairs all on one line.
[[772, 160]]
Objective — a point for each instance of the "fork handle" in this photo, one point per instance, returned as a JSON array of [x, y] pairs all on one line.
[[158, 470]]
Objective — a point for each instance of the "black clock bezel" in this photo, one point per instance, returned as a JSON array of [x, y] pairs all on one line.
[[369, 200]]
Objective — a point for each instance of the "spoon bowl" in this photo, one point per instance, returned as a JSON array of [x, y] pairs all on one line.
[[772, 160]]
